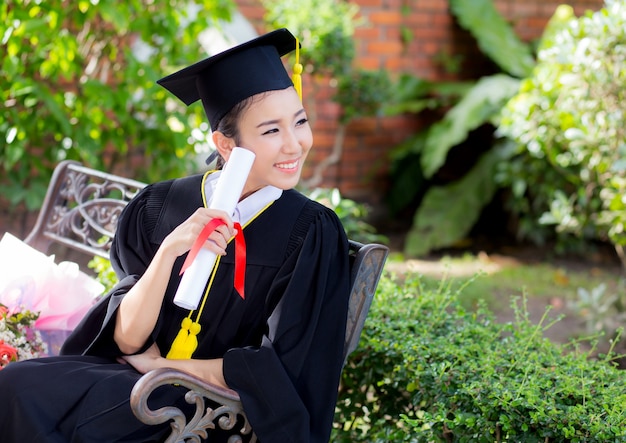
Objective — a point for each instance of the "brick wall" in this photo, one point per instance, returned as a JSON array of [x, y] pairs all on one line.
[[361, 173]]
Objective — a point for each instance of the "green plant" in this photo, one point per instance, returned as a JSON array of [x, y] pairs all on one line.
[[569, 171], [104, 272], [325, 29], [448, 212], [429, 370], [497, 40], [351, 214], [470, 107], [79, 83], [602, 310]]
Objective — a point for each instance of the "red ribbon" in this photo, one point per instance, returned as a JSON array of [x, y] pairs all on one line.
[[240, 260], [240, 252]]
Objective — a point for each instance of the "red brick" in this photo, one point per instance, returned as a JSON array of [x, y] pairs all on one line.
[[386, 17], [363, 124], [367, 33], [371, 63], [387, 48]]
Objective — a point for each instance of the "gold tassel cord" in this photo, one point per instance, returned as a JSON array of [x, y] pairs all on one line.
[[192, 340], [297, 71], [177, 350]]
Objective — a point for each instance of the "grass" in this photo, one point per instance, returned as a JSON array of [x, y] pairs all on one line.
[[497, 280]]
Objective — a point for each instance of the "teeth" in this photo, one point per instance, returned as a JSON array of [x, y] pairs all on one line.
[[287, 165]]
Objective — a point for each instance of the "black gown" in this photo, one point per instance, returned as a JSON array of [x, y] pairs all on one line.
[[282, 345]]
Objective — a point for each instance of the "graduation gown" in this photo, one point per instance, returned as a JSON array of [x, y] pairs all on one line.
[[282, 345]]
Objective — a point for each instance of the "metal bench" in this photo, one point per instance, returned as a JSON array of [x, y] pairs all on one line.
[[81, 209]]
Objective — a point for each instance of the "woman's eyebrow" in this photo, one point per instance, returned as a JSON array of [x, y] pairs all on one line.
[[276, 121]]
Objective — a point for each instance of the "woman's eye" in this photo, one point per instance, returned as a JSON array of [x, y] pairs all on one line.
[[302, 121], [270, 131]]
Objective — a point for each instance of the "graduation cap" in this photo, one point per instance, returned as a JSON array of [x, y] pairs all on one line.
[[225, 79]]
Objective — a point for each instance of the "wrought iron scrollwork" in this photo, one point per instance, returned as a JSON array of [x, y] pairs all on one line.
[[88, 213], [82, 209], [226, 415]]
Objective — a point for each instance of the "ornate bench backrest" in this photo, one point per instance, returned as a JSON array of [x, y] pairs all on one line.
[[81, 209]]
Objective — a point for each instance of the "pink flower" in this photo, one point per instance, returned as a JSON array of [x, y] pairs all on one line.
[[7, 354]]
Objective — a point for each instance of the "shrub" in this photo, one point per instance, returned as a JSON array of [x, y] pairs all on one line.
[[428, 370], [104, 272], [352, 215], [78, 82], [568, 123]]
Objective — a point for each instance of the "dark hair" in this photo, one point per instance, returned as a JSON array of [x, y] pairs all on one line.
[[229, 124]]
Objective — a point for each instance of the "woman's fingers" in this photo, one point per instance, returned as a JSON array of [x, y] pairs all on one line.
[[218, 239], [184, 236]]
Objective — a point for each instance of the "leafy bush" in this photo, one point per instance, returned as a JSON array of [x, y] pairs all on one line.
[[104, 272], [351, 214], [79, 82], [569, 125], [428, 370], [466, 108]]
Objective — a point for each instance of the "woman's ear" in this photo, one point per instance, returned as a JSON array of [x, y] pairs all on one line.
[[223, 144]]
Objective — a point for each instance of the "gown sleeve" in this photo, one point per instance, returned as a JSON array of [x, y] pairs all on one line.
[[131, 253], [288, 385]]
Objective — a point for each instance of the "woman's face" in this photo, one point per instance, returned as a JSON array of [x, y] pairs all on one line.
[[276, 129]]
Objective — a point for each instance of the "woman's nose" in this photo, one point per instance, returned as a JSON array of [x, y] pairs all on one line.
[[292, 143]]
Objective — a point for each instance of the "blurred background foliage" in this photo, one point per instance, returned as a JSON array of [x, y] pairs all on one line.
[[567, 169], [78, 82], [544, 131]]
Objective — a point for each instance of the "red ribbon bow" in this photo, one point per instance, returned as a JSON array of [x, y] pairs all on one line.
[[240, 252]]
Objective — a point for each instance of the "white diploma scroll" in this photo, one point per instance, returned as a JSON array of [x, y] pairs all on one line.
[[226, 196]]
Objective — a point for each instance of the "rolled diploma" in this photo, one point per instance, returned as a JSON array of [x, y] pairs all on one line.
[[227, 193]]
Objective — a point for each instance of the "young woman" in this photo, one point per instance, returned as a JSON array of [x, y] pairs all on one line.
[[280, 347]]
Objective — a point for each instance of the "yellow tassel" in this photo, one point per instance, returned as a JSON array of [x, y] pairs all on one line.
[[177, 351], [297, 72], [192, 340], [186, 340]]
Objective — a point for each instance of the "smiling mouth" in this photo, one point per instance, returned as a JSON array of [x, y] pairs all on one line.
[[287, 166]]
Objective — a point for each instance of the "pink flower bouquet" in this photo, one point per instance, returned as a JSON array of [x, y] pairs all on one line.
[[60, 294], [19, 340]]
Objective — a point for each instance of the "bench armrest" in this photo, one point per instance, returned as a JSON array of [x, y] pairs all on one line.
[[224, 413]]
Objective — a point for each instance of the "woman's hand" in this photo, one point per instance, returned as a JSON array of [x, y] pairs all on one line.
[[210, 371], [151, 359], [139, 310], [181, 239]]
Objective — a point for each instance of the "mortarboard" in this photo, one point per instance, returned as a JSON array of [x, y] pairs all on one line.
[[225, 79]]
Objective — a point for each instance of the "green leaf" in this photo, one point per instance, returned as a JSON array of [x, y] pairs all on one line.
[[495, 37], [413, 94], [447, 213], [55, 110], [476, 108], [77, 96]]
